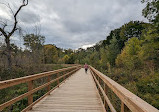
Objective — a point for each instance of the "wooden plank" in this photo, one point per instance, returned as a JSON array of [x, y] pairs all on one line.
[[78, 93], [133, 102]]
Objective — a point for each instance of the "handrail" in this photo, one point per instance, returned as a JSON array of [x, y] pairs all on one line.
[[12, 82], [128, 99], [29, 79]]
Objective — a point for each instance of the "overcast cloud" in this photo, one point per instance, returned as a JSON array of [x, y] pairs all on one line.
[[75, 23]]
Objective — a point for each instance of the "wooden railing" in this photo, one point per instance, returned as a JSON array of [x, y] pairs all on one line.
[[129, 101], [59, 74]]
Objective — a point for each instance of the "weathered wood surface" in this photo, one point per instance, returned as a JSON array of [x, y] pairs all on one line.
[[77, 94]]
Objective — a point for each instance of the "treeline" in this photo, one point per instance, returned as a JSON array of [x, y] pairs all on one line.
[[34, 58]]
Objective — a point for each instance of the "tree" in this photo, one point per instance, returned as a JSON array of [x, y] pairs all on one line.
[[71, 59], [35, 43], [50, 54], [66, 59], [131, 29], [129, 58], [103, 60], [149, 53], [112, 51], [151, 11], [7, 34]]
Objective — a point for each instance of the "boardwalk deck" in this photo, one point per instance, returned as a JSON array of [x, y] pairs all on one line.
[[77, 94]]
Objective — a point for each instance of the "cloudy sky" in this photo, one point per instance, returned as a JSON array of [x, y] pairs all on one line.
[[73, 23]]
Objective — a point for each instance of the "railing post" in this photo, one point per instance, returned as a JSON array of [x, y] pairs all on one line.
[[48, 80], [124, 108], [64, 76], [30, 97], [106, 92], [58, 82], [98, 81]]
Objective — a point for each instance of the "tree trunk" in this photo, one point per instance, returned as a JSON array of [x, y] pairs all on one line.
[[8, 52]]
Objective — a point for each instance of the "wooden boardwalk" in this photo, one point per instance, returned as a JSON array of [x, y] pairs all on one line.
[[77, 94]]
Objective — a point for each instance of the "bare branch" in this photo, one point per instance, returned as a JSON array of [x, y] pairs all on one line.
[[25, 2], [8, 5], [3, 32], [10, 9]]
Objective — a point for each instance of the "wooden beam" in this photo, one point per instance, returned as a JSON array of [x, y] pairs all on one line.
[[58, 82], [124, 108], [48, 80], [30, 97], [106, 92]]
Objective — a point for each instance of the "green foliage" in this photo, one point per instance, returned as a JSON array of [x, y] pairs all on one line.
[[66, 59], [50, 54], [148, 88], [112, 51], [34, 42], [131, 29], [151, 11], [150, 45], [149, 84], [129, 56]]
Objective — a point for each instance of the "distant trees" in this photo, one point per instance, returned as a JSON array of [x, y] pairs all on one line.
[[66, 59], [50, 54], [34, 43], [7, 34], [69, 59]]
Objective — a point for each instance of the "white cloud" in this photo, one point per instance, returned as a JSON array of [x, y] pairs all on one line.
[[86, 46]]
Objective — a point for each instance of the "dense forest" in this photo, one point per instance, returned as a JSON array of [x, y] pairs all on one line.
[[129, 55]]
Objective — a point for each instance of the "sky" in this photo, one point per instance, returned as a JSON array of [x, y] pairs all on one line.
[[72, 23]]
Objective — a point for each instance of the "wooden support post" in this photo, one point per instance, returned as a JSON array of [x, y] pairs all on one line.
[[106, 92], [98, 81], [124, 108], [48, 80], [58, 82], [65, 76], [30, 97]]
